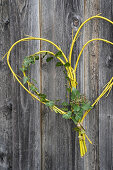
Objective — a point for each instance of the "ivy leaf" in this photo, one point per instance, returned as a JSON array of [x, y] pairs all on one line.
[[28, 60], [50, 103], [74, 120], [81, 113], [23, 69], [76, 129], [68, 115], [36, 57], [26, 64], [41, 95], [67, 64], [75, 93], [65, 104], [49, 59], [68, 89], [44, 54], [77, 118], [31, 60], [86, 106], [67, 78], [65, 109], [25, 79], [65, 72], [58, 54], [59, 64], [43, 100], [78, 115], [33, 88], [76, 108]]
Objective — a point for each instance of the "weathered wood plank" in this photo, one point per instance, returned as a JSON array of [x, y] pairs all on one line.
[[20, 115], [106, 105], [25, 112], [59, 149], [5, 90], [91, 83]]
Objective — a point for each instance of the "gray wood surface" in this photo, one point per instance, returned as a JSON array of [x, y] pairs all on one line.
[[5, 91], [106, 105], [91, 83], [60, 149], [24, 20], [31, 136]]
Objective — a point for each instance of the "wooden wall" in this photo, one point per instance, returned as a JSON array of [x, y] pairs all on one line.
[[31, 136]]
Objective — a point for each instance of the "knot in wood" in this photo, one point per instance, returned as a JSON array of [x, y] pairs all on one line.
[[75, 22], [109, 61]]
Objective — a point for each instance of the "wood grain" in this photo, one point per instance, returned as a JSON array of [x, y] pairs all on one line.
[[31, 136], [91, 83], [106, 105], [5, 90], [25, 112], [59, 148]]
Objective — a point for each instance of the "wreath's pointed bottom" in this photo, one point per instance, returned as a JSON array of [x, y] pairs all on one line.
[[83, 148]]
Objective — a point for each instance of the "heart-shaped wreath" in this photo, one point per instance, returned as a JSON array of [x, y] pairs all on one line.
[[78, 106]]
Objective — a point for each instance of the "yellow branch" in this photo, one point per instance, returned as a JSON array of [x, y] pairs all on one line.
[[107, 88], [70, 71], [96, 16], [49, 53], [14, 74], [96, 39]]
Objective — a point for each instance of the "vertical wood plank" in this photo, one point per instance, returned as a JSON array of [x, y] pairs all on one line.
[[20, 115], [24, 20], [106, 105], [91, 83], [5, 90], [59, 149]]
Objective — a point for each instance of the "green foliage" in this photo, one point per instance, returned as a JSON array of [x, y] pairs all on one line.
[[67, 78], [45, 55], [58, 54], [86, 106], [68, 115], [75, 120], [50, 103], [33, 88], [75, 93], [65, 72], [76, 129], [65, 104], [49, 59], [41, 95], [23, 69], [36, 57], [25, 79], [68, 89], [76, 108], [28, 61], [59, 64], [25, 65], [65, 109], [78, 103], [67, 64]]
